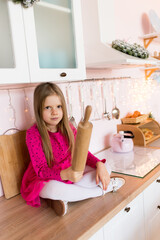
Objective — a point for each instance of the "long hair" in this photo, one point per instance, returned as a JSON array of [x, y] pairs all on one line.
[[42, 91]]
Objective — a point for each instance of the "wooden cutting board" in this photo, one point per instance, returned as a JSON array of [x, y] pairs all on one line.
[[14, 159]]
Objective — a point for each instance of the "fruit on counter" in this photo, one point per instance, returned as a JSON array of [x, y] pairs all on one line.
[[148, 133], [134, 115], [134, 50]]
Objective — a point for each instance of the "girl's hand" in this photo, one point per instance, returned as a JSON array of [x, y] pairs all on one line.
[[69, 174], [102, 175]]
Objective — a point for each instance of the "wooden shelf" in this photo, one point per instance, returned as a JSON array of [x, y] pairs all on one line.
[[149, 71], [156, 55], [151, 35], [147, 39], [155, 137]]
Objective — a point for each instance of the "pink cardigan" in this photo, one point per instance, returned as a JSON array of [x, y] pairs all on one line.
[[38, 171]]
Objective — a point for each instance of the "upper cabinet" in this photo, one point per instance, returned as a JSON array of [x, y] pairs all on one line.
[[54, 40], [43, 42], [13, 56]]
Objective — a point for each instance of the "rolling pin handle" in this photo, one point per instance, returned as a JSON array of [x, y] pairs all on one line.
[[87, 114]]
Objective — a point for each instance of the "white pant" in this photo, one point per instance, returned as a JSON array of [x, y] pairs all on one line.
[[85, 188]]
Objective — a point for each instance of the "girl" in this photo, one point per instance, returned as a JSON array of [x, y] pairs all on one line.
[[50, 143]]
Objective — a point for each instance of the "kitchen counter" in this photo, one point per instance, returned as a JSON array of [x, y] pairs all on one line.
[[138, 162], [84, 218]]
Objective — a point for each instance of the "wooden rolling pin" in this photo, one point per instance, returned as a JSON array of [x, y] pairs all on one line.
[[83, 136]]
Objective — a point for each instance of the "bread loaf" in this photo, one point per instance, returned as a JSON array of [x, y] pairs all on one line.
[[148, 133]]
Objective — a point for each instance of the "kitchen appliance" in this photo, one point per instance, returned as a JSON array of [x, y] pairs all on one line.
[[122, 142], [138, 162]]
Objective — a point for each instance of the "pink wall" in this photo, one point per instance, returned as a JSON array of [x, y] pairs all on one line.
[[132, 17]]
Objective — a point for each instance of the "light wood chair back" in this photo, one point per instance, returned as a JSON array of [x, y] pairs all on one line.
[[14, 159]]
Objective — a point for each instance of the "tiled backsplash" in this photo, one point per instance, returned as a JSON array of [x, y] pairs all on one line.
[[128, 94]]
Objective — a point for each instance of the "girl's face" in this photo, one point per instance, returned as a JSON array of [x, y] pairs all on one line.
[[52, 112]]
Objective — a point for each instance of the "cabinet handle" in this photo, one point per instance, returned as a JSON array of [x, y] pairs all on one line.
[[63, 74], [127, 209], [158, 206], [158, 181]]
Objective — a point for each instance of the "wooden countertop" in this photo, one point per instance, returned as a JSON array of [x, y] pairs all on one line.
[[19, 221]]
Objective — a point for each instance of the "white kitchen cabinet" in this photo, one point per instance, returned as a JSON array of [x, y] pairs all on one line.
[[41, 43], [139, 220], [54, 39], [13, 55], [152, 211], [99, 235], [128, 224]]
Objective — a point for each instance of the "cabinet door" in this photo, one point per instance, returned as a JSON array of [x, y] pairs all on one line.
[[54, 40], [98, 235], [13, 57], [128, 224], [152, 211]]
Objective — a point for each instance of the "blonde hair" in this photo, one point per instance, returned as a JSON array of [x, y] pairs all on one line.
[[42, 91]]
